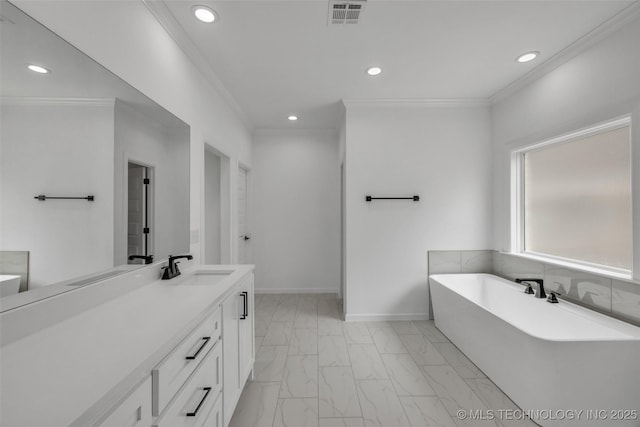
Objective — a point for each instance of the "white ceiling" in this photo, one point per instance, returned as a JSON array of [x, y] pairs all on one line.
[[278, 58]]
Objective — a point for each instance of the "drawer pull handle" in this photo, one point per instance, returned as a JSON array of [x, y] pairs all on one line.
[[207, 390], [245, 304], [204, 344]]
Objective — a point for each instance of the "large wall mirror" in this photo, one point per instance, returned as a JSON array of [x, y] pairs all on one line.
[[92, 171]]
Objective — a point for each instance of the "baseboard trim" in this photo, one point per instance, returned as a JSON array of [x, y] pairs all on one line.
[[385, 317], [296, 291]]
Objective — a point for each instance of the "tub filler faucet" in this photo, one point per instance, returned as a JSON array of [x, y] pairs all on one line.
[[539, 289]]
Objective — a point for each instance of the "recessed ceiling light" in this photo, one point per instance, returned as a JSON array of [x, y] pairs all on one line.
[[526, 57], [204, 13], [38, 69], [374, 71], [293, 118]]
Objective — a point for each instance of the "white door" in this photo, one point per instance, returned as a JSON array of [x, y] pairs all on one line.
[[243, 225]]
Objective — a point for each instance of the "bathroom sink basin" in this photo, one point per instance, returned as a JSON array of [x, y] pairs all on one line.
[[207, 277]]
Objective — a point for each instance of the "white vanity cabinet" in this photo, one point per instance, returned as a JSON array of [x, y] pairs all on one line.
[[171, 374], [134, 411], [237, 330], [198, 403], [166, 354]]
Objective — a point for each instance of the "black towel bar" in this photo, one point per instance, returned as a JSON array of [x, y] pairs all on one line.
[[414, 198], [42, 198]]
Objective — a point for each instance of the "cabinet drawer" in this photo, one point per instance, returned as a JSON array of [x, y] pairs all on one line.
[[134, 411], [174, 370], [196, 403], [214, 419]]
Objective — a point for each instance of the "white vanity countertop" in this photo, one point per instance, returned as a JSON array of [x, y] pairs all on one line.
[[51, 377]]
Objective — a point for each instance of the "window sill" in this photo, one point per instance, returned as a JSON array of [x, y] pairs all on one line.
[[574, 266]]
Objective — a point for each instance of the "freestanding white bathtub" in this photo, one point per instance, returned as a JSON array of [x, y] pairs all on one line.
[[9, 285], [561, 363]]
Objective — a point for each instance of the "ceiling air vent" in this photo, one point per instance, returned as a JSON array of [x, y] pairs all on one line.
[[345, 12]]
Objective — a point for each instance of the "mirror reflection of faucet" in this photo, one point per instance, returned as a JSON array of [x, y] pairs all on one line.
[[587, 298], [148, 259], [171, 270]]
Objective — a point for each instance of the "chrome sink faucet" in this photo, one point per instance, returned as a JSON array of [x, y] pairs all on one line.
[[539, 289], [171, 270]]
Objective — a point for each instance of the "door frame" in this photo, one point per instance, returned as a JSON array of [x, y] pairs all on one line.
[[146, 214], [124, 212], [249, 198], [343, 239]]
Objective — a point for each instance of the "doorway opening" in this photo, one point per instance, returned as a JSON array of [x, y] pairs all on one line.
[[139, 214], [216, 247]]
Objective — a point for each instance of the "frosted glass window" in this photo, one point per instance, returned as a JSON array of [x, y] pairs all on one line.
[[577, 199]]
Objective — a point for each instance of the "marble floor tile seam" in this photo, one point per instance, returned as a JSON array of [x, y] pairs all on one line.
[[354, 381], [317, 398], [355, 387], [447, 396], [280, 389], [454, 420], [437, 395]]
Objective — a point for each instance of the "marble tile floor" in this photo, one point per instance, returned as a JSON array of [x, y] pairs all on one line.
[[312, 369]]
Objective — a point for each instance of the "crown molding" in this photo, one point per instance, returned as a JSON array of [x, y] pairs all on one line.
[[58, 102], [163, 15], [602, 31], [417, 103]]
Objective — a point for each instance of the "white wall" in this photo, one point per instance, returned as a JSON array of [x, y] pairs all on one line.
[[601, 83], [125, 37], [296, 221], [65, 238], [140, 140], [212, 210], [442, 154]]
